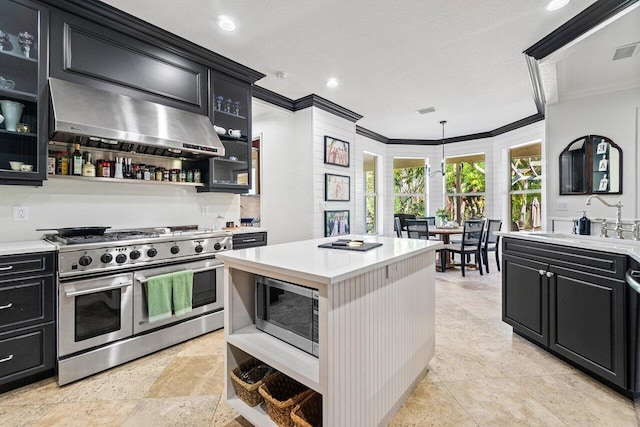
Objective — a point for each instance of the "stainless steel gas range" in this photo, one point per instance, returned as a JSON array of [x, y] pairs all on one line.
[[102, 294]]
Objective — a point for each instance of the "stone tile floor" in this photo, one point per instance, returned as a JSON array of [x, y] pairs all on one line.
[[481, 375]]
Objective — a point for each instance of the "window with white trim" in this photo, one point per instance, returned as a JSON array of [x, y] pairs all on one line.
[[465, 187]]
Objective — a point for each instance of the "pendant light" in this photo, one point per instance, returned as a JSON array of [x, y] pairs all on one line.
[[442, 170]]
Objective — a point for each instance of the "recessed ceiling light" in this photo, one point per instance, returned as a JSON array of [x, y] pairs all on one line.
[[557, 4], [226, 23], [332, 82]]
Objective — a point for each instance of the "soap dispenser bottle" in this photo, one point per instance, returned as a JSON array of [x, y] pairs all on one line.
[[584, 225]]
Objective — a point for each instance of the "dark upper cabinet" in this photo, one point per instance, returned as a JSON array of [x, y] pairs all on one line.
[[93, 54], [230, 112], [23, 97], [591, 164]]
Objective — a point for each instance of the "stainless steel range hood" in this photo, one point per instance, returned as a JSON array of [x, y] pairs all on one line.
[[105, 119]]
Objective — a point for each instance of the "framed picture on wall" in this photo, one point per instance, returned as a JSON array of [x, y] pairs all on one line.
[[336, 152], [337, 188], [336, 223]]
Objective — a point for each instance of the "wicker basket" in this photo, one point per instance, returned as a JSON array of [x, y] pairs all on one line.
[[308, 413], [248, 393], [281, 394]]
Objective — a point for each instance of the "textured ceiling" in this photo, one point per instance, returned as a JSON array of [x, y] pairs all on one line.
[[463, 57], [587, 68]]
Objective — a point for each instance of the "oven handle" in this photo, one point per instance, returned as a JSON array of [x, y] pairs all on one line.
[[143, 279], [94, 290]]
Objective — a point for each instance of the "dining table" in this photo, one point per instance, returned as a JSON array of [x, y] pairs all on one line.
[[445, 233]]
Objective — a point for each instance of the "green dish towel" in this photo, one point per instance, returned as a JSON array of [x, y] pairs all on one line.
[[159, 290], [182, 291]]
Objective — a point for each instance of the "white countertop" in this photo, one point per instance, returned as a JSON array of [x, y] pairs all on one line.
[[604, 244], [306, 260], [26, 247]]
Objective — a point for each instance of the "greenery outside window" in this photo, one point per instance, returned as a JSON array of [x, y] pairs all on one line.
[[370, 193], [526, 187], [465, 187], [409, 186]]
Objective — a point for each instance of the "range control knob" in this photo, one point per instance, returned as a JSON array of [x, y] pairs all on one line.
[[135, 254], [217, 246], [175, 249], [120, 258], [106, 258], [85, 260], [152, 252], [199, 249]]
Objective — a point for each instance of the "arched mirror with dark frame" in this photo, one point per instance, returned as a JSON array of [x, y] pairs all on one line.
[[591, 164]]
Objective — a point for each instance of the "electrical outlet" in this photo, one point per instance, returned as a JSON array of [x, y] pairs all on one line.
[[204, 210], [20, 213], [562, 206]]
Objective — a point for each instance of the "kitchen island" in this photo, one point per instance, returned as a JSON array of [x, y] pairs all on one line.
[[376, 323]]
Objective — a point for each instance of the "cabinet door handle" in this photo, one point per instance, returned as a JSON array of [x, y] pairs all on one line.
[[6, 268], [6, 359], [542, 272], [2, 307], [549, 274]]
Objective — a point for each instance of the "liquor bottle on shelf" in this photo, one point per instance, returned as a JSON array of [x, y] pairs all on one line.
[[76, 161], [88, 168]]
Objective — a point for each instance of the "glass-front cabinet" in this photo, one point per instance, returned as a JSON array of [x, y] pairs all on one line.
[[230, 112], [23, 79], [591, 164]]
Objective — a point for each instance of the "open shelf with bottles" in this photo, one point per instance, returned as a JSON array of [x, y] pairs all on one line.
[[160, 170]]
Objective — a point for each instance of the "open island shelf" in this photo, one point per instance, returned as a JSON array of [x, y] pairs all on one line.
[[376, 324]]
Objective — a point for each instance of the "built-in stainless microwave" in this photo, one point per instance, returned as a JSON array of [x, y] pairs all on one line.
[[288, 312]]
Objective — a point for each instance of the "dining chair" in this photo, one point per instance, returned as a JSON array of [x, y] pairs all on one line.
[[418, 229], [397, 226], [470, 245], [403, 219], [431, 222], [491, 242]]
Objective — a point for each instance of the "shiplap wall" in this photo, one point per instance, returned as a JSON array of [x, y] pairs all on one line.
[[325, 123]]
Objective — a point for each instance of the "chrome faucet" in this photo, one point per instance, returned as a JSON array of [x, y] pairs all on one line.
[[618, 227]]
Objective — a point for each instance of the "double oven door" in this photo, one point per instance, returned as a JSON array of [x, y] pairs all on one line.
[[208, 292], [93, 312], [97, 311]]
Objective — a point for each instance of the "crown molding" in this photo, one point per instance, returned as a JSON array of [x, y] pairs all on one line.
[[273, 98], [589, 18], [304, 102], [326, 105], [371, 134]]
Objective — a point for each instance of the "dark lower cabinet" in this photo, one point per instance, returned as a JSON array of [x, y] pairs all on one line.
[[525, 302], [27, 355], [27, 319], [572, 302], [249, 240], [587, 322]]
